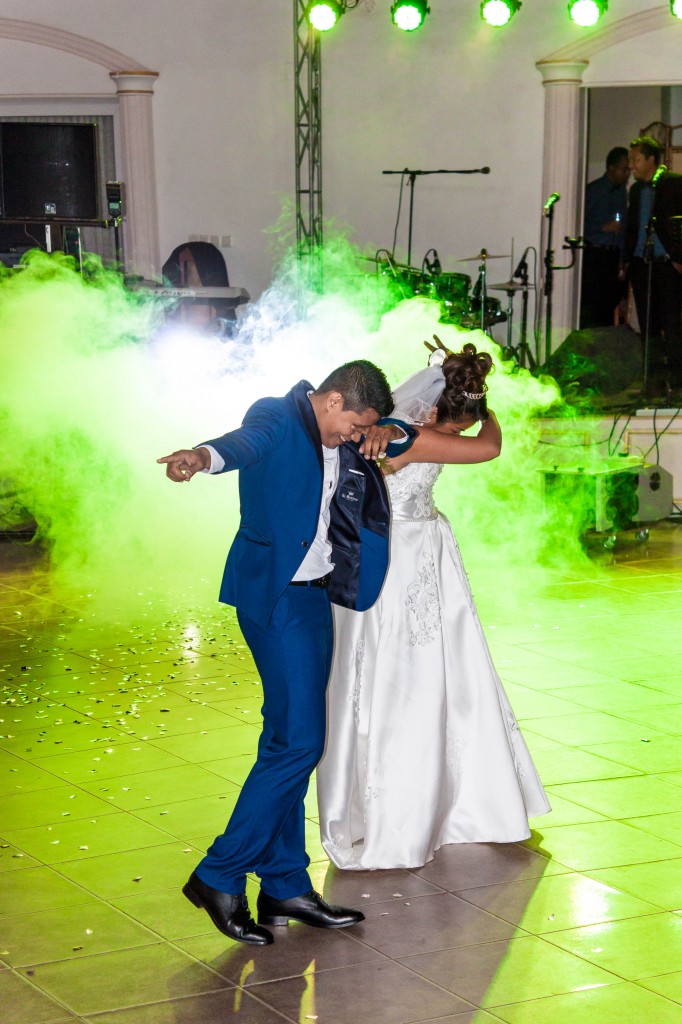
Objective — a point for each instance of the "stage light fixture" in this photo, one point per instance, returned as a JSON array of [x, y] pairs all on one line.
[[586, 12], [409, 14], [499, 12], [676, 8], [324, 14]]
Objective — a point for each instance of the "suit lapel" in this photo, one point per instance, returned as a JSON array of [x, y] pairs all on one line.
[[299, 396]]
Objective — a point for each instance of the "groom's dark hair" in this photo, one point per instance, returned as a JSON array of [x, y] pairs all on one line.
[[363, 386]]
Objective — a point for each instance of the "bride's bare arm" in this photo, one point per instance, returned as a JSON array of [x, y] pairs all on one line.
[[449, 447]]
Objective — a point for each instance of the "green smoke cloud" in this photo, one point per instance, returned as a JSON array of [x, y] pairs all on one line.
[[96, 385]]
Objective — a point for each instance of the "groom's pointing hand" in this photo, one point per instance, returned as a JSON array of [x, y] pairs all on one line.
[[182, 465]]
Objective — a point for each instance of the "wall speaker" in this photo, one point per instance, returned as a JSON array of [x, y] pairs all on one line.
[[48, 171], [610, 498], [607, 359]]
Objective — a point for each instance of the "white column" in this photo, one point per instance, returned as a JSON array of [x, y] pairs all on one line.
[[141, 231], [560, 173]]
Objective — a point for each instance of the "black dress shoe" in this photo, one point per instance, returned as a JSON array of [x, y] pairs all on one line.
[[230, 914], [309, 908]]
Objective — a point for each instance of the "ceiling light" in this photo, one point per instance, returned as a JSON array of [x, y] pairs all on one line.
[[324, 14], [409, 14], [586, 12], [499, 12]]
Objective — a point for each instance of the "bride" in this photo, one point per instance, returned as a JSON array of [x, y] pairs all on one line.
[[423, 747]]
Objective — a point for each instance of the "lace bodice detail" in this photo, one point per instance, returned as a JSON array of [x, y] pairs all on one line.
[[411, 490]]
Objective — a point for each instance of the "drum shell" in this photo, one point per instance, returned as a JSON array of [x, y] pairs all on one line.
[[451, 287], [494, 314]]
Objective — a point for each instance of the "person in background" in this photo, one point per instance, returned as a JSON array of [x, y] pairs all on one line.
[[653, 261], [606, 204], [199, 265]]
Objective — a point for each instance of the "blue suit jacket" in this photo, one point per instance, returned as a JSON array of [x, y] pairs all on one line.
[[278, 452]]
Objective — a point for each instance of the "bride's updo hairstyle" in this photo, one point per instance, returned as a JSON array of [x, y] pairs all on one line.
[[464, 395]]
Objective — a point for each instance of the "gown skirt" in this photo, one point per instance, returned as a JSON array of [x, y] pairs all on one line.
[[423, 748]]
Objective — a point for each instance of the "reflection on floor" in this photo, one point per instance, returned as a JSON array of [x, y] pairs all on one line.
[[121, 755]]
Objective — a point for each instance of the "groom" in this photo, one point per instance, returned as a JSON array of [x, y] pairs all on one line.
[[314, 527]]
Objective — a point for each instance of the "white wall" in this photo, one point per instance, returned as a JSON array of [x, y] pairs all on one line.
[[452, 96], [455, 94]]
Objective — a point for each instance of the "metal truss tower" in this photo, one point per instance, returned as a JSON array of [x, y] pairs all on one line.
[[308, 101]]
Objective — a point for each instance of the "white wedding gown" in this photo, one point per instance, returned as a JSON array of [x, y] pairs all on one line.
[[423, 748]]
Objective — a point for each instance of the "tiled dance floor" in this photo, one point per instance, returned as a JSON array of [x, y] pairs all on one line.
[[122, 753]]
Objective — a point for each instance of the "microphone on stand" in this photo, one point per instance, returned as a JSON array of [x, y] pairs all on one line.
[[554, 198], [660, 171], [523, 264]]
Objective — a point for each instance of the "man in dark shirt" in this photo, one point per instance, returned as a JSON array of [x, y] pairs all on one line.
[[651, 253], [606, 203]]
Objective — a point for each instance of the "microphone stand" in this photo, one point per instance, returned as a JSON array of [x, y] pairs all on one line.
[[412, 177], [524, 348], [522, 351], [648, 254], [510, 319], [571, 243], [483, 292], [549, 283]]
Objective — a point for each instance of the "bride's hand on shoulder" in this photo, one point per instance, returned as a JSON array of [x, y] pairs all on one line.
[[375, 442]]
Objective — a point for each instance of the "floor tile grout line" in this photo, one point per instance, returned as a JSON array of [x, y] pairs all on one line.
[[675, 1001], [158, 1002], [540, 999], [547, 938], [618, 979], [655, 911], [58, 1002], [257, 985], [626, 892], [582, 872]]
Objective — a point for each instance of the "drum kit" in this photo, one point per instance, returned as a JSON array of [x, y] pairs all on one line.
[[461, 304]]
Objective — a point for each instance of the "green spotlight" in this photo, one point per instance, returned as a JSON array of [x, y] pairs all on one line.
[[324, 14], [499, 12], [409, 14], [676, 8], [586, 12]]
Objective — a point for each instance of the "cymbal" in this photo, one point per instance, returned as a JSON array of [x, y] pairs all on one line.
[[483, 255], [510, 286]]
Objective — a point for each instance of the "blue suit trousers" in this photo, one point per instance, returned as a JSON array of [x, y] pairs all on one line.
[[266, 832]]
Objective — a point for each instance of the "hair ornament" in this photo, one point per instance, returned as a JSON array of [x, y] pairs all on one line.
[[475, 394]]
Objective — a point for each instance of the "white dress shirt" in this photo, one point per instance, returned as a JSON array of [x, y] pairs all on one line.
[[318, 560]]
